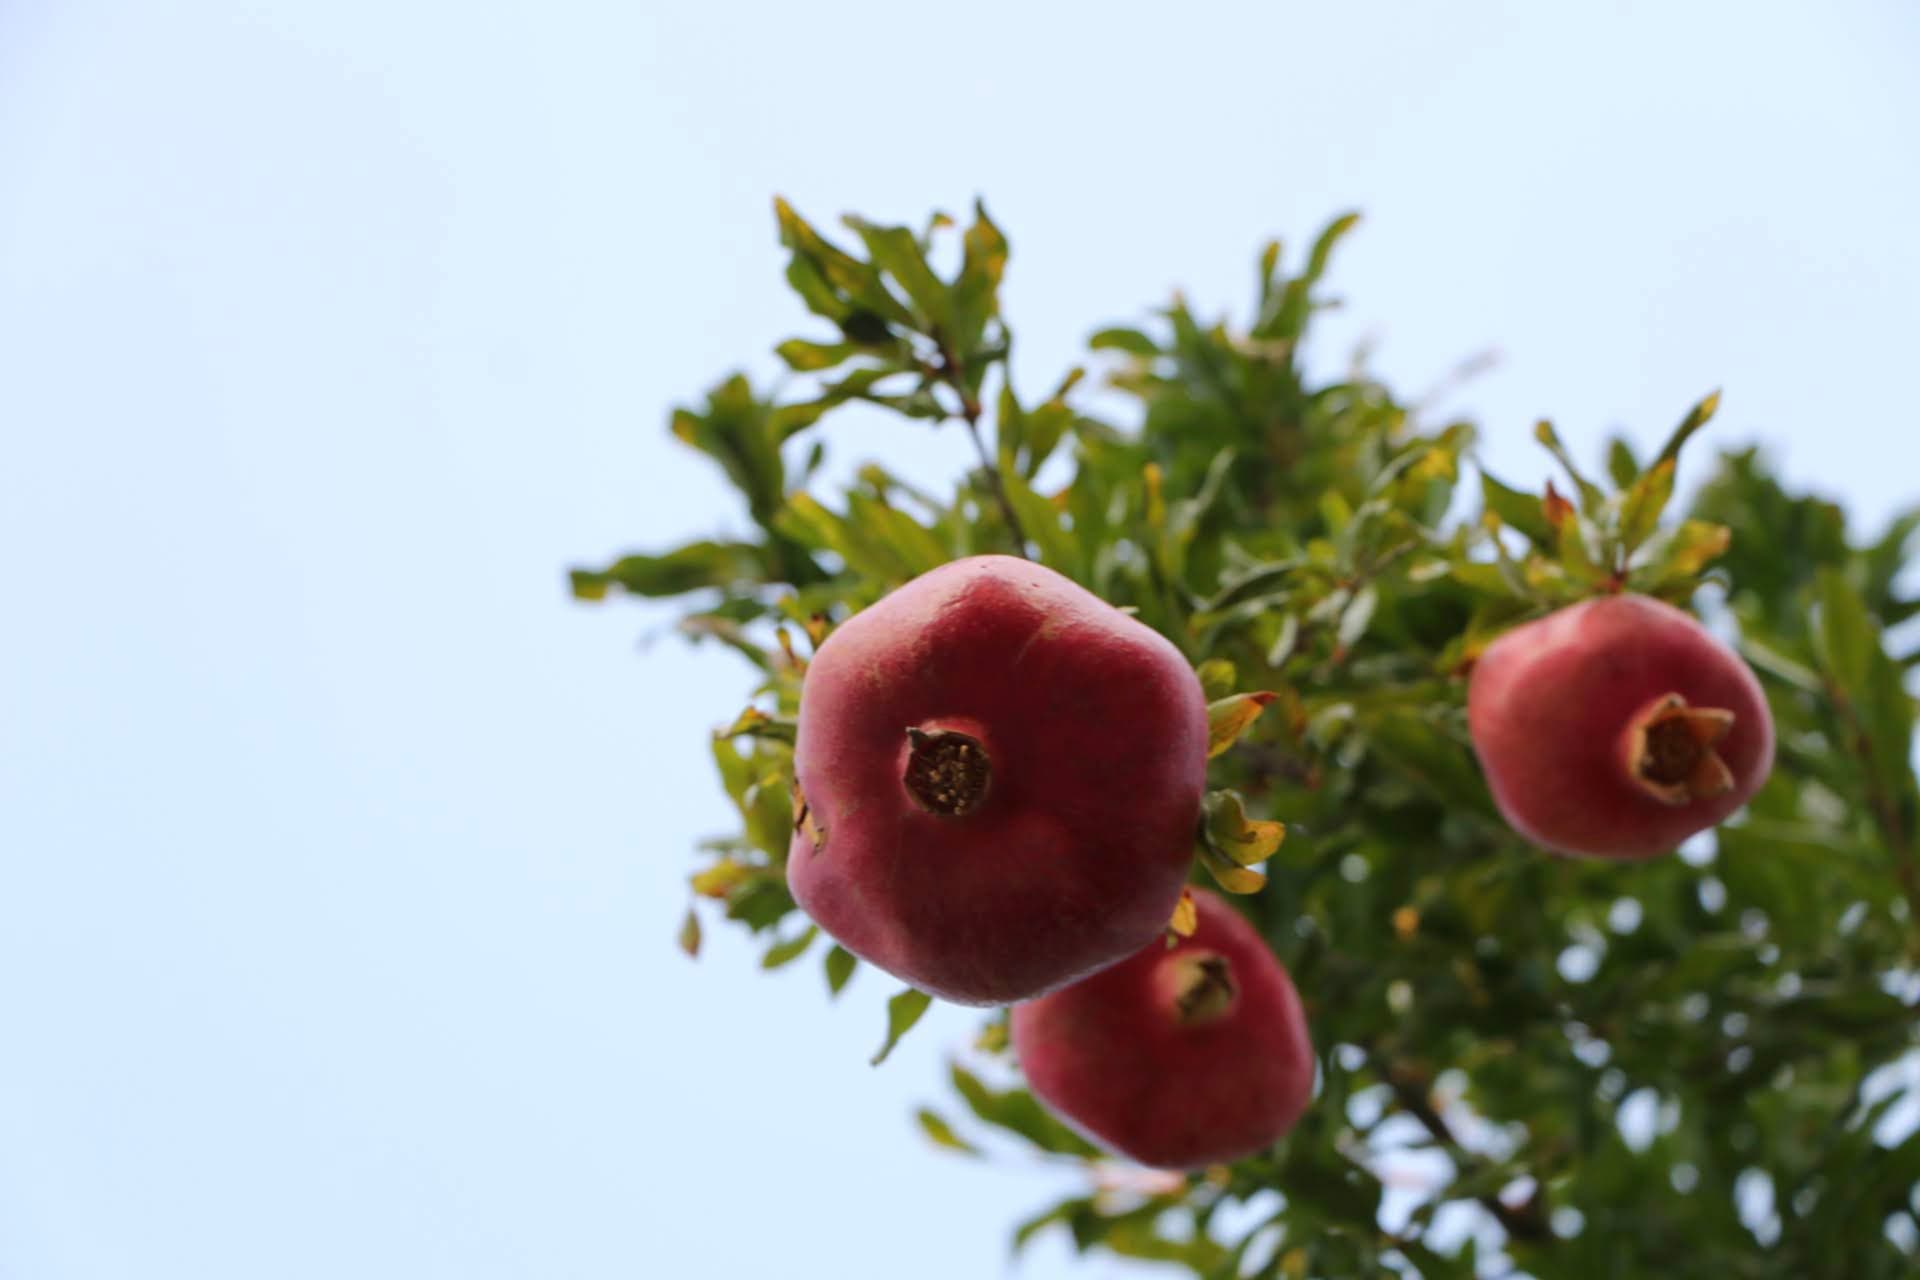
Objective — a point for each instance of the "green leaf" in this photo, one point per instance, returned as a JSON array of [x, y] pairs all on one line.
[[803, 356], [1697, 417], [862, 547], [1246, 841], [1284, 643], [896, 251], [1016, 1111], [1439, 763], [1040, 520], [1642, 504], [903, 1011], [1228, 718], [689, 936], [976, 290], [755, 723], [1285, 316], [1217, 677], [821, 298], [1622, 466], [688, 568], [1131, 341], [1872, 698], [840, 964], [785, 953], [854, 281], [942, 1134], [1577, 552], [1591, 499], [1517, 510], [1230, 875], [735, 430], [1062, 1214], [1355, 618]]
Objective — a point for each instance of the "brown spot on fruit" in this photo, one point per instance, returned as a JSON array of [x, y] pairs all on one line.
[[804, 821]]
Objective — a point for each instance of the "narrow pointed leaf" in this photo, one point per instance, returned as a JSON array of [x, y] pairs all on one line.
[[1230, 717], [903, 1011], [839, 964]]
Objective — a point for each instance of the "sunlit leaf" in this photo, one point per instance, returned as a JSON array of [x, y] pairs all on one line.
[[941, 1133], [1230, 717], [785, 953], [903, 1011]]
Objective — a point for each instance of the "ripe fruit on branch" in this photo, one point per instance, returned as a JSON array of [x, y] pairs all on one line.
[[1179, 1057], [1616, 728], [997, 781]]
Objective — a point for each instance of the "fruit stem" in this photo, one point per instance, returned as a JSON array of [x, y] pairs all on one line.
[[948, 773], [1668, 748]]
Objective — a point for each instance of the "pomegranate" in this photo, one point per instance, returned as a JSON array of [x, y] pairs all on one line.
[[1179, 1057], [1617, 727], [997, 781]]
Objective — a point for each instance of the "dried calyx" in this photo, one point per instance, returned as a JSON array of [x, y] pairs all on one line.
[[1669, 748], [1200, 986], [948, 773]]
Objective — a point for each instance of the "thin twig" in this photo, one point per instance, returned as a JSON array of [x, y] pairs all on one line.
[[1524, 1223], [949, 372]]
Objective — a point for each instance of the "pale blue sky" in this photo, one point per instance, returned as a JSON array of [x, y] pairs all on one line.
[[340, 855]]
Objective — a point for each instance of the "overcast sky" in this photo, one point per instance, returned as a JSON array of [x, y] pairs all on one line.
[[341, 855]]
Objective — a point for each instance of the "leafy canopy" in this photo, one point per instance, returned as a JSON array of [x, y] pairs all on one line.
[[1574, 1069]]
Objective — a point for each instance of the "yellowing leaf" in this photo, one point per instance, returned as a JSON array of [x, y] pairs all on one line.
[[1230, 875], [755, 723], [1228, 718], [1246, 841], [720, 878], [689, 938], [942, 1133], [1186, 916], [1696, 545], [1640, 509]]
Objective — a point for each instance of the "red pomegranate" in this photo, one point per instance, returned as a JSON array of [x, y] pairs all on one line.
[[1180, 1057], [997, 780], [1617, 727]]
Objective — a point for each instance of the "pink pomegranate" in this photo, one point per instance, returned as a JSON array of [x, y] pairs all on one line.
[[1180, 1057], [1617, 727], [997, 781]]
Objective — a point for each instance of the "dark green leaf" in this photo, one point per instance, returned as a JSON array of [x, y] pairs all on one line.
[[840, 964]]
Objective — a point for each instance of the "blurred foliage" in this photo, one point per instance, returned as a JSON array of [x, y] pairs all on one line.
[[1559, 1068]]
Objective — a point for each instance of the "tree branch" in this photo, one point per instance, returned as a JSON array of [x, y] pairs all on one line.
[[948, 371], [1524, 1223]]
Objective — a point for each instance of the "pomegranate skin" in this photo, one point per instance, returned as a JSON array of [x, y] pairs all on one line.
[[1113, 1057], [1072, 858], [1548, 705]]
